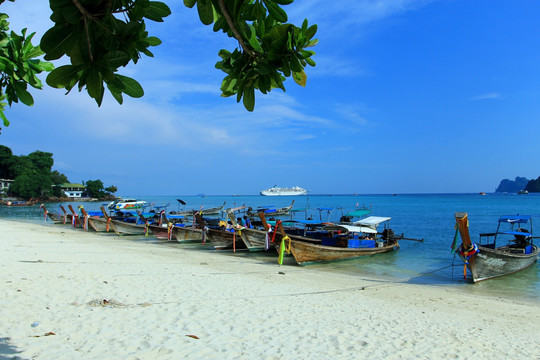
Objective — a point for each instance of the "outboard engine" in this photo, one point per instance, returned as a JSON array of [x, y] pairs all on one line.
[[388, 234]]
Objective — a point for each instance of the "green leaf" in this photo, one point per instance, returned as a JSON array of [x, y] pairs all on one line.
[[206, 12], [300, 78], [4, 118], [153, 41], [130, 86], [156, 11], [311, 31], [115, 92], [39, 66], [253, 41], [116, 59], [94, 83], [224, 54], [283, 2], [57, 41], [295, 64], [64, 76], [275, 11], [22, 93], [190, 3], [249, 98]]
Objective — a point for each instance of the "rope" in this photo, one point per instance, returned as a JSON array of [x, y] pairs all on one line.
[[169, 231]]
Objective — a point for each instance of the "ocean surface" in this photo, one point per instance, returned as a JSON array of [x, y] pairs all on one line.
[[423, 216]]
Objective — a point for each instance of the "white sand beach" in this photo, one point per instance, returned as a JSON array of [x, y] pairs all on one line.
[[68, 294]]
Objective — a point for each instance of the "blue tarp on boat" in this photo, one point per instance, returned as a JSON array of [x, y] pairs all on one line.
[[522, 219]]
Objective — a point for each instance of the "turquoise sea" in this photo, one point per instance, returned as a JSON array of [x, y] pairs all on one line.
[[427, 216]]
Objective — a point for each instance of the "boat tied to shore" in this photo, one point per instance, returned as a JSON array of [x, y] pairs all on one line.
[[126, 204], [279, 191], [486, 259]]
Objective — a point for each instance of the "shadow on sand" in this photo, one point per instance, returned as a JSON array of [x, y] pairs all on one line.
[[7, 350]]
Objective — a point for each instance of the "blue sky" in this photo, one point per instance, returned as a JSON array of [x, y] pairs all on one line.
[[407, 97]]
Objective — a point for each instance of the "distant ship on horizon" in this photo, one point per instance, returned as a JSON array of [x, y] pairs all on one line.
[[279, 191]]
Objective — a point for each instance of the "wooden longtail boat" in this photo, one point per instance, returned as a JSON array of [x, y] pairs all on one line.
[[163, 232], [124, 228], [55, 218], [254, 239], [76, 220], [271, 211], [342, 242], [188, 234], [209, 211], [21, 203], [486, 260], [98, 223], [127, 228], [223, 239]]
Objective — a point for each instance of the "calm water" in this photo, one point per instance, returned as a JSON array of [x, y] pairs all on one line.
[[427, 216]]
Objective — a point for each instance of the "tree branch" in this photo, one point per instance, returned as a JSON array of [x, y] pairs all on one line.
[[85, 15], [235, 31]]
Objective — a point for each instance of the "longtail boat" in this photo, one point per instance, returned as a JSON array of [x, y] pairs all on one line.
[[254, 239], [55, 218], [188, 234], [210, 211], [224, 239], [76, 220], [341, 242], [487, 259], [21, 202], [98, 222], [271, 210], [139, 227]]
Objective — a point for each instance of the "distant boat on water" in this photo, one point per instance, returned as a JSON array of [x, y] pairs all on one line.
[[279, 191]]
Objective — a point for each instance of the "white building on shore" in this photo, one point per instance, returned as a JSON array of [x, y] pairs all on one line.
[[73, 190], [5, 184]]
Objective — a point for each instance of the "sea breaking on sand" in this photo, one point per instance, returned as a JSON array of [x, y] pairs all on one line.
[[71, 294]]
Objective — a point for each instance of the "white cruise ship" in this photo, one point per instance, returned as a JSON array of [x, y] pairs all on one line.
[[278, 191]]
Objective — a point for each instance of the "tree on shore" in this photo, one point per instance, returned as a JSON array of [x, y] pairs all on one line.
[[95, 189], [101, 36], [32, 175], [533, 186]]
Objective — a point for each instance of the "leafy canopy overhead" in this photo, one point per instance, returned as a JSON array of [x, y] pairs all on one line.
[[101, 36]]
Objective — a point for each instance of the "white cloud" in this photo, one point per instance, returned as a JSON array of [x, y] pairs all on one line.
[[488, 96]]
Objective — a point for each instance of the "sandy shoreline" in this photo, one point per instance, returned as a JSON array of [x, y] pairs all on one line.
[[171, 302]]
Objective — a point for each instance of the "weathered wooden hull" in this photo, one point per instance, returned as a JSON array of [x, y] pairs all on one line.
[[187, 234], [99, 224], [255, 240], [491, 263], [160, 232], [306, 252], [222, 240], [125, 228], [59, 219]]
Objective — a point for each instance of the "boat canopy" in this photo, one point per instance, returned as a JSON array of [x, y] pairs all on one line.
[[304, 222], [351, 228], [372, 221], [522, 219], [516, 233], [358, 213]]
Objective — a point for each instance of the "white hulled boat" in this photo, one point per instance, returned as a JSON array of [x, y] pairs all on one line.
[[279, 191], [126, 204]]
